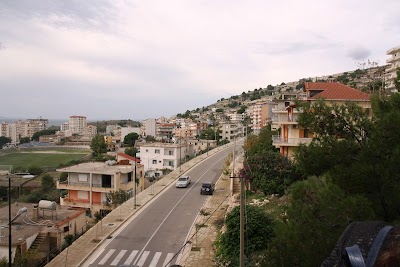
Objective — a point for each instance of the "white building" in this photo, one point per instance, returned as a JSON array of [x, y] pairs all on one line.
[[11, 131], [391, 72], [150, 127], [231, 130], [77, 124], [158, 156], [236, 117]]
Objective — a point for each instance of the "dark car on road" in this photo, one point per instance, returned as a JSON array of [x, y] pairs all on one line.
[[207, 188]]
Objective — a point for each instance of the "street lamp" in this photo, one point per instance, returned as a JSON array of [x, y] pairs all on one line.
[[8, 172]]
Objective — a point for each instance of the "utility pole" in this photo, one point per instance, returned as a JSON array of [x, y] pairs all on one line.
[[242, 192], [9, 221], [134, 184], [241, 221]]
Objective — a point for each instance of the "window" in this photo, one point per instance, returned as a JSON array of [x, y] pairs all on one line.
[[157, 151], [147, 150], [82, 177], [171, 153], [154, 161]]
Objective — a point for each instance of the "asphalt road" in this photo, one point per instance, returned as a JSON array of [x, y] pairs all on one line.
[[154, 236]]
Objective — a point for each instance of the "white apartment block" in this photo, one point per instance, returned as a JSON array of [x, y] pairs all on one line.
[[236, 117], [232, 130], [158, 156], [11, 131], [64, 127], [150, 127], [77, 124], [394, 62]]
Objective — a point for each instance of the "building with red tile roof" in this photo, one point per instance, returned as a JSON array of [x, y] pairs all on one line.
[[285, 113], [334, 92]]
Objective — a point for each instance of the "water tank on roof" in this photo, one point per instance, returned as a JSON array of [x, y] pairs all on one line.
[[111, 162], [47, 204]]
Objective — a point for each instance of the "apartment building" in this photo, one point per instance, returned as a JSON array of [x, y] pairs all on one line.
[[391, 71], [149, 127], [77, 124], [285, 114], [89, 183], [260, 115], [158, 156], [232, 130], [91, 131], [11, 131], [236, 117], [165, 131], [190, 130]]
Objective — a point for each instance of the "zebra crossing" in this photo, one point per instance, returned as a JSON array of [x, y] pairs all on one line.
[[112, 257]]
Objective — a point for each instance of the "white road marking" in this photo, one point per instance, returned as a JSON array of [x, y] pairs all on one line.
[[143, 258], [119, 257], [168, 259], [106, 257], [98, 254], [131, 257], [155, 260]]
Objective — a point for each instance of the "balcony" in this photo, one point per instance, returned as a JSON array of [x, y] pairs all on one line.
[[393, 59], [82, 203], [280, 141], [96, 187], [284, 119]]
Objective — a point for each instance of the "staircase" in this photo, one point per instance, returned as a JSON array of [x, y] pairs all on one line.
[[236, 186], [37, 243]]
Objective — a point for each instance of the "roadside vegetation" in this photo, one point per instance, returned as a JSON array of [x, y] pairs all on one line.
[[348, 173]]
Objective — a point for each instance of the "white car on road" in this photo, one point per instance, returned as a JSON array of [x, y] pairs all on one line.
[[183, 181]]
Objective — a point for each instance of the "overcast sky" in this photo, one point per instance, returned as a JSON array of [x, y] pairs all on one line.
[[151, 58]]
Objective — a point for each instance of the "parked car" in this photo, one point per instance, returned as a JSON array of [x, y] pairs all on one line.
[[183, 181], [207, 188]]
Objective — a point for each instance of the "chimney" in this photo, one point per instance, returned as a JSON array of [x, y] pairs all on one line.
[[35, 213]]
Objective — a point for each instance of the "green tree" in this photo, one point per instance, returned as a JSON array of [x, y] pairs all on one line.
[[116, 198], [269, 172], [241, 110], [317, 214], [48, 183], [131, 151], [150, 138], [359, 152], [130, 139], [35, 170], [63, 177], [258, 233], [24, 140], [4, 140], [98, 145]]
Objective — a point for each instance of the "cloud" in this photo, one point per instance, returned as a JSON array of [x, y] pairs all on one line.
[[144, 58], [359, 53]]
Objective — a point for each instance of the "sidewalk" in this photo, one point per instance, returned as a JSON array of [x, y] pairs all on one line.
[[200, 250], [84, 246]]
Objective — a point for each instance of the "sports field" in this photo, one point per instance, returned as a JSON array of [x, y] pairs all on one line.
[[40, 158]]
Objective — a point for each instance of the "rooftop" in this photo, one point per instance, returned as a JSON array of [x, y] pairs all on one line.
[[98, 167], [24, 226], [335, 91]]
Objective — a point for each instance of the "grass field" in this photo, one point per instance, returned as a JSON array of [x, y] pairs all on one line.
[[38, 159]]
